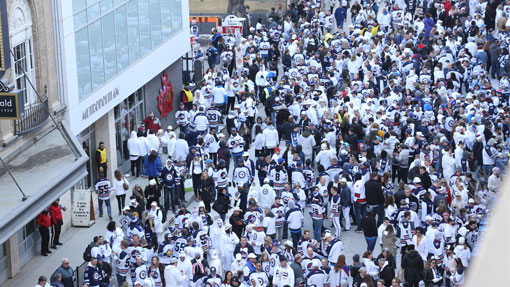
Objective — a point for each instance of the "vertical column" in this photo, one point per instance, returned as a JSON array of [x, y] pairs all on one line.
[[13, 256], [105, 132]]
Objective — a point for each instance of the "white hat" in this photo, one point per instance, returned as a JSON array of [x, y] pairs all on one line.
[[152, 182], [228, 226], [239, 256], [288, 243], [169, 128], [126, 208], [419, 134], [462, 240], [201, 204], [154, 203], [251, 255], [324, 146], [417, 180], [428, 217], [182, 254], [237, 208], [246, 153], [471, 200], [221, 135], [343, 179]]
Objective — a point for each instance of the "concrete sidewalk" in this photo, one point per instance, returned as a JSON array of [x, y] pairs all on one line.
[[75, 241]]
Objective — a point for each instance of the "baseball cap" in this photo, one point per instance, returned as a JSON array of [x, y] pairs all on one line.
[[251, 255]]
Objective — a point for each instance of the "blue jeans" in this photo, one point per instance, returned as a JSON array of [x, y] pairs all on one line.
[[317, 228], [169, 194], [379, 210], [236, 158], [108, 207], [360, 209], [285, 230], [371, 242], [120, 280], [296, 235]]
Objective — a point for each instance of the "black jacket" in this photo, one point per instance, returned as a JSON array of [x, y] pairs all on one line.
[[374, 192], [413, 267], [369, 226], [221, 205], [207, 189]]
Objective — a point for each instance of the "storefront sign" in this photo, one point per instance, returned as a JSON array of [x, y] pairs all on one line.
[[81, 208], [9, 106], [100, 103], [5, 58]]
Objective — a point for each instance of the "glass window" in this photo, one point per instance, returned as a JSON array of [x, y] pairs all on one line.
[[80, 19], [94, 12], [133, 34], [90, 2], [78, 5], [122, 38], [20, 67], [145, 26], [106, 5], [83, 62], [166, 18], [110, 55], [139, 95], [131, 101], [176, 15], [155, 23], [118, 2], [96, 54]]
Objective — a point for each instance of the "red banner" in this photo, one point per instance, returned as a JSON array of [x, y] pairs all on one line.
[[166, 96]]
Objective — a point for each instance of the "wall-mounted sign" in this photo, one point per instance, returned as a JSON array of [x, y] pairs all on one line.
[[5, 58], [100, 103], [9, 106]]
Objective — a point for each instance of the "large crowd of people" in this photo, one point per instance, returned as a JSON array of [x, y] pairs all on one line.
[[384, 118]]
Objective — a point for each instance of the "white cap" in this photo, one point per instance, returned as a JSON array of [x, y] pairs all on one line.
[[239, 256], [221, 135], [417, 180], [169, 128], [343, 179], [471, 200], [152, 182], [182, 254], [126, 208], [462, 240], [154, 203], [251, 255]]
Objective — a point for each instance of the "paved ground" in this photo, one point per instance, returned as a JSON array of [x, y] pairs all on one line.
[[220, 6]]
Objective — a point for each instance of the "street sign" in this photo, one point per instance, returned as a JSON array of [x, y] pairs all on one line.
[[9, 106], [81, 210], [231, 29]]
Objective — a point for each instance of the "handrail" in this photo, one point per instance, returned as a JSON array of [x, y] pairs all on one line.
[[34, 116]]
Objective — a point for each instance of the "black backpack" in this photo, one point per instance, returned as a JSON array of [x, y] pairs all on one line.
[[87, 254]]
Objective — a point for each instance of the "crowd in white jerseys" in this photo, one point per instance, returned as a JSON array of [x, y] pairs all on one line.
[[391, 125]]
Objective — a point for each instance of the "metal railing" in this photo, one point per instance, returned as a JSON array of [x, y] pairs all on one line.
[[33, 117]]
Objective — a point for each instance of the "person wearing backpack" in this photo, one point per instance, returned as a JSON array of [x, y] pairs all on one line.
[[87, 254]]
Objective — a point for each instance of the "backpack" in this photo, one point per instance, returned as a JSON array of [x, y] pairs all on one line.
[[163, 218], [87, 254]]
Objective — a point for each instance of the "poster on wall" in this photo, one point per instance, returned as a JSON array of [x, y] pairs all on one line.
[[81, 208], [5, 57]]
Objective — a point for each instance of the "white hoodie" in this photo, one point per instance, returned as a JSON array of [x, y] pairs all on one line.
[[271, 137], [173, 276], [133, 145]]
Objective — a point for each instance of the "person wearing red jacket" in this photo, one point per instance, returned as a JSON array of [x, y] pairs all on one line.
[[56, 223], [152, 123], [43, 220]]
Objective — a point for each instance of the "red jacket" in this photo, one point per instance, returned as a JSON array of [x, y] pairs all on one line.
[[43, 220], [56, 213]]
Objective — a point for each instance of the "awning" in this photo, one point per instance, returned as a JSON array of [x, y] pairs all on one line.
[[43, 169]]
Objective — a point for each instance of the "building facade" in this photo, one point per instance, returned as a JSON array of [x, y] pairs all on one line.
[[114, 54], [96, 67], [36, 145]]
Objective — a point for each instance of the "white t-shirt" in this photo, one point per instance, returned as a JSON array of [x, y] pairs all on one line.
[[118, 186]]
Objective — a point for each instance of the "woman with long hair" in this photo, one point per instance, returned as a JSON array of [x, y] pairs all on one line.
[[157, 272], [227, 282], [432, 277], [457, 277], [388, 240], [207, 190], [339, 276], [120, 185], [389, 206]]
